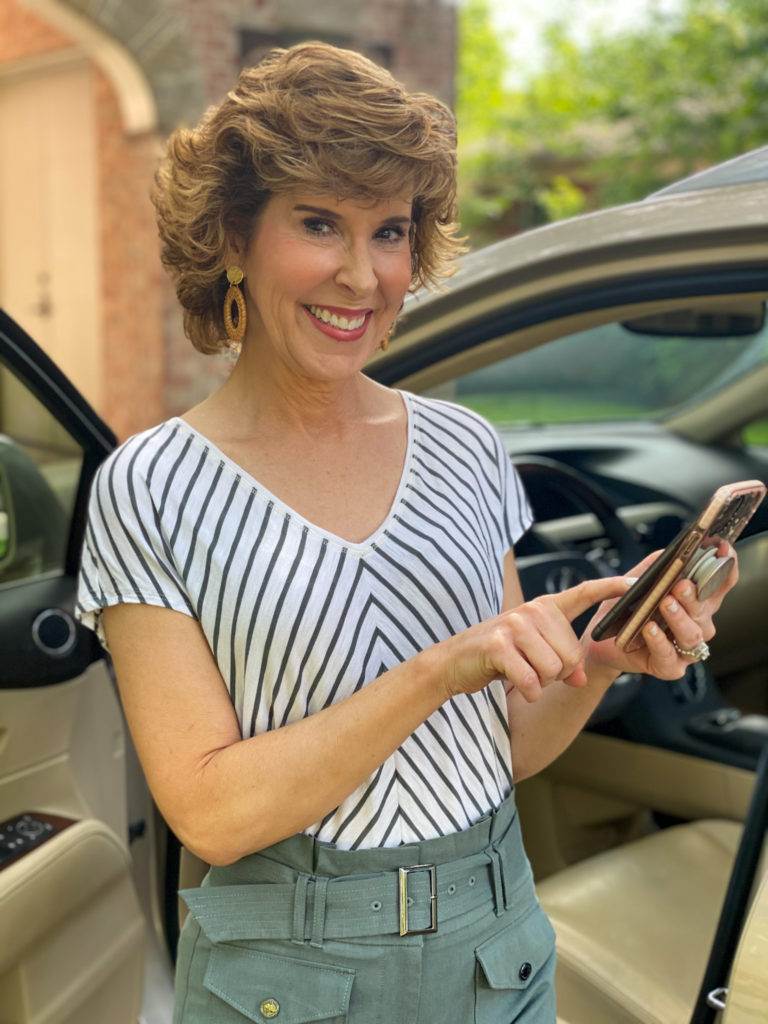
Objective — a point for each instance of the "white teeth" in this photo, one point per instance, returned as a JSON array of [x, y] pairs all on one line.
[[335, 321]]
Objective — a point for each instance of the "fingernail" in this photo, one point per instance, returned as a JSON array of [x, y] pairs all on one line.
[[687, 591], [653, 629], [630, 580], [672, 604]]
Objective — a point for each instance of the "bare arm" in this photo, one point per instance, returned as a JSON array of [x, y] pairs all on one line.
[[540, 731], [225, 796]]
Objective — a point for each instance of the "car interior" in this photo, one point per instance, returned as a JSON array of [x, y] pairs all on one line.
[[632, 832]]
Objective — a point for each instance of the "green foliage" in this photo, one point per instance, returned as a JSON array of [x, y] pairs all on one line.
[[480, 96], [756, 433], [563, 199], [607, 121]]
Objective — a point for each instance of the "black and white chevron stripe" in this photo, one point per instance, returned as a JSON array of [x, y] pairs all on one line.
[[298, 618]]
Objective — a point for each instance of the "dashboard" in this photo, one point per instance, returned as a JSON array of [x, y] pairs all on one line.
[[646, 472]]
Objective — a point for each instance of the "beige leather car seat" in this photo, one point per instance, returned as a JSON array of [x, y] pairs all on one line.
[[635, 924]]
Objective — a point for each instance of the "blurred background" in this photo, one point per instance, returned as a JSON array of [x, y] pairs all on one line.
[[563, 106]]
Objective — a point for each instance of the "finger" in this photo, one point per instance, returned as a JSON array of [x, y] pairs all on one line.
[[521, 676], [544, 660], [686, 593], [726, 550], [665, 662], [577, 678], [578, 599], [685, 630], [700, 611], [557, 632]]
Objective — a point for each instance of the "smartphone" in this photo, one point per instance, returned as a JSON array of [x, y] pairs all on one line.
[[692, 555]]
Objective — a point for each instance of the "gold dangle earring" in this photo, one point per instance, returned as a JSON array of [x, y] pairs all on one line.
[[384, 343], [235, 331]]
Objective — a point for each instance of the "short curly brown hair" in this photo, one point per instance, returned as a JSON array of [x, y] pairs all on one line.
[[313, 117]]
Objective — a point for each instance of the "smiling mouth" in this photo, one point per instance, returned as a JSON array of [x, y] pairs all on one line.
[[336, 321]]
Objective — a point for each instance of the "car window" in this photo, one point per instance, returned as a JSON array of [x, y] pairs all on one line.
[[608, 372], [39, 472]]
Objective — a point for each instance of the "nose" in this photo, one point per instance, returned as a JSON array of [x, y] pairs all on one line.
[[356, 269]]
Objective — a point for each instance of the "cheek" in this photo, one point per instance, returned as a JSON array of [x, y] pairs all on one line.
[[286, 265], [395, 272]]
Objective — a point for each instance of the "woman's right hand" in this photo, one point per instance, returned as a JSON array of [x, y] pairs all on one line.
[[528, 646]]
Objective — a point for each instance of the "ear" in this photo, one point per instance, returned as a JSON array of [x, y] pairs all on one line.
[[235, 252]]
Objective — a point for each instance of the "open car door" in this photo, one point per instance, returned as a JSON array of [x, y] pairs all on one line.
[[74, 934]]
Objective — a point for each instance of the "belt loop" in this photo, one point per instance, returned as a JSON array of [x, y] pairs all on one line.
[[318, 918], [505, 881], [299, 909], [510, 849], [496, 880]]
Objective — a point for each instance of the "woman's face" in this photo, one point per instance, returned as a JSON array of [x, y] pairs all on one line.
[[310, 250]]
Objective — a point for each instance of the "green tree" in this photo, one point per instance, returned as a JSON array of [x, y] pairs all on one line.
[[493, 176], [610, 120]]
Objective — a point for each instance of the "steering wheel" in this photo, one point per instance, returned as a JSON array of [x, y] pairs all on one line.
[[561, 567]]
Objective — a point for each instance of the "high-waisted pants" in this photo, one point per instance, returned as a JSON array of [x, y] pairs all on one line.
[[303, 931]]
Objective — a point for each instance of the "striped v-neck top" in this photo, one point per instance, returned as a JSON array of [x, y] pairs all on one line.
[[298, 618]]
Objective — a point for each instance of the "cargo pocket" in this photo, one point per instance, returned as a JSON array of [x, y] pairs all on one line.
[[259, 985], [509, 966], [264, 986]]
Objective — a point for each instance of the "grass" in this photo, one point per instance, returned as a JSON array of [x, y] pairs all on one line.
[[756, 433], [545, 407], [534, 407]]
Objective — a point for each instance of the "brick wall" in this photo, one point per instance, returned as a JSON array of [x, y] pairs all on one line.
[[132, 334], [23, 34]]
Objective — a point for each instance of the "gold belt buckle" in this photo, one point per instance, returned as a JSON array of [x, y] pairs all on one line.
[[403, 891]]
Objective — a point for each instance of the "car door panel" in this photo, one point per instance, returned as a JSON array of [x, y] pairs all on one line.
[[72, 927], [599, 793], [71, 930]]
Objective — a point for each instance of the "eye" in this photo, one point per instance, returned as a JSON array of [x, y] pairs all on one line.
[[399, 233], [309, 221]]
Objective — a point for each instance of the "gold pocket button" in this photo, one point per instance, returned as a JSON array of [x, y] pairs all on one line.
[[269, 1008]]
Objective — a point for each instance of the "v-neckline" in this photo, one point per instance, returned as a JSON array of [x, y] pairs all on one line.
[[359, 547]]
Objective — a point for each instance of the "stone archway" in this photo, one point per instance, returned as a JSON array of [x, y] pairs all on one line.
[[143, 50]]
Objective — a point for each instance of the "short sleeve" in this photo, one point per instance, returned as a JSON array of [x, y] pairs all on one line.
[[125, 558], [517, 515]]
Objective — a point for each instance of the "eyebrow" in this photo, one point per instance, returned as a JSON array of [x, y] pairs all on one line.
[[337, 216]]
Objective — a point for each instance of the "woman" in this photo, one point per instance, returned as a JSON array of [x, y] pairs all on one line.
[[335, 719]]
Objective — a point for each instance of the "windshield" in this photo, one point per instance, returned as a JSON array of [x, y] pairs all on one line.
[[606, 373]]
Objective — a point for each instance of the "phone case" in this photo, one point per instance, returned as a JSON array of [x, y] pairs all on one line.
[[691, 554]]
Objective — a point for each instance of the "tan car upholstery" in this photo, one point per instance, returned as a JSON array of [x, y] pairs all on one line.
[[635, 924], [72, 931]]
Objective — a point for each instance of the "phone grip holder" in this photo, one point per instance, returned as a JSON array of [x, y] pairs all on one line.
[[708, 571]]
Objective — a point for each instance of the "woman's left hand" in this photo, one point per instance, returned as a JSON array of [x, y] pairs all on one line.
[[689, 620]]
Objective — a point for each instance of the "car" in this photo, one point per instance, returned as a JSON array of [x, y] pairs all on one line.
[[623, 357]]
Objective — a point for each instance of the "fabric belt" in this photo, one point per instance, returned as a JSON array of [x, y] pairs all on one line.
[[350, 906]]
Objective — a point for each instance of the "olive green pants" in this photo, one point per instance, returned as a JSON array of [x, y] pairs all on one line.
[[303, 932]]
